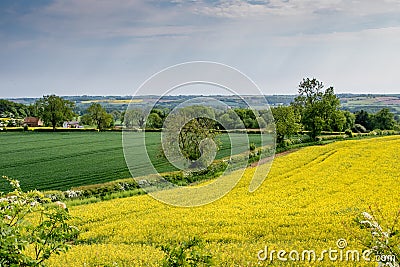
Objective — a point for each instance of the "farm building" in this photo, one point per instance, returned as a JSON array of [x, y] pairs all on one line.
[[33, 122], [71, 124]]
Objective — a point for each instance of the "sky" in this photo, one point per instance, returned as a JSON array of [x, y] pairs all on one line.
[[98, 47]]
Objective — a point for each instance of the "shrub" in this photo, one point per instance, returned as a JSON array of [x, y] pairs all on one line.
[[184, 178], [28, 220], [300, 139], [55, 195], [13, 129], [349, 133], [102, 189], [358, 128], [252, 147]]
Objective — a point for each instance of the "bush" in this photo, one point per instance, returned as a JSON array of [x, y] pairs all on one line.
[[252, 147], [287, 142], [50, 130], [102, 189], [254, 156], [184, 178], [330, 137], [55, 195], [28, 222], [358, 128], [13, 129], [378, 131], [300, 139], [349, 133]]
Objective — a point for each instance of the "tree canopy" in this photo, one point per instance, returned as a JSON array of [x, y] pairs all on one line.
[[54, 110], [286, 122], [11, 109], [319, 108], [190, 132], [98, 116], [134, 117], [384, 120]]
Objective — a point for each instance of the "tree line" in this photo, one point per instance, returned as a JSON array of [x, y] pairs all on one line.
[[9, 109], [314, 110], [54, 111], [317, 109]]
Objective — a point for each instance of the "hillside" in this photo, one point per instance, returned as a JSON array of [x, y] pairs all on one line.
[[353, 102], [304, 203]]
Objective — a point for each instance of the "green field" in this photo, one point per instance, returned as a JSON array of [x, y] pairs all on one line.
[[59, 161]]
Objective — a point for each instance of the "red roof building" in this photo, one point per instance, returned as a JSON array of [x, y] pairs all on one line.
[[33, 122]]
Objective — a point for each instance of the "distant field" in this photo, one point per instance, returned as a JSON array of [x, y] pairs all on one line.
[[372, 103], [62, 160], [113, 101]]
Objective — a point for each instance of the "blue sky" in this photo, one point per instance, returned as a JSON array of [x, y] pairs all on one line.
[[99, 47]]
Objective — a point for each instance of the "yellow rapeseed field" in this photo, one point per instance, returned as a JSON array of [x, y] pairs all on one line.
[[113, 101], [307, 202]]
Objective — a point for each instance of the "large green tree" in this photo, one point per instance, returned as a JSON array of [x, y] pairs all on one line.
[[98, 116], [230, 120], [286, 122], [384, 120], [192, 128], [154, 121], [350, 120], [54, 110], [134, 117], [319, 108], [249, 118], [365, 119]]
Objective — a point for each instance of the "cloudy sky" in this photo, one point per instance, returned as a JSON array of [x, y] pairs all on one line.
[[99, 47]]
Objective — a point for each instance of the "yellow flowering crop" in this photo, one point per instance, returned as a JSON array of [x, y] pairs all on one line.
[[304, 203]]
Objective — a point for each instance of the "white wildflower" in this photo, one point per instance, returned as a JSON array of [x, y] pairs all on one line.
[[367, 216], [71, 194], [375, 234], [385, 234], [377, 226]]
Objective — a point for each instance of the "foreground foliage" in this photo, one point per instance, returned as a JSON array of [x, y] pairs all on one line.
[[383, 235], [31, 228]]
